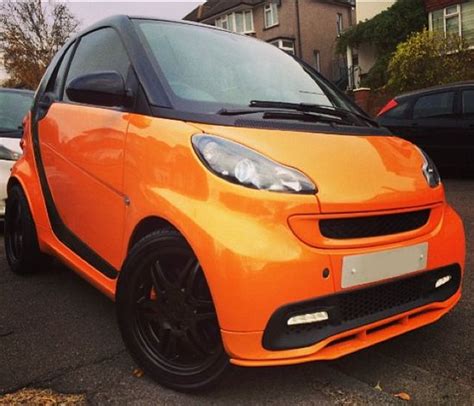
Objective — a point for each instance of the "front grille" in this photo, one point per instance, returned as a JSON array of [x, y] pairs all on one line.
[[373, 226], [355, 308]]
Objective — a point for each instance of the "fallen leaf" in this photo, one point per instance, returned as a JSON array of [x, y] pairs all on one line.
[[378, 387], [137, 373], [403, 396], [41, 397]]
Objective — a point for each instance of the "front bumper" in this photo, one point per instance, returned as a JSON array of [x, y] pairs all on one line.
[[245, 349], [266, 274], [359, 307]]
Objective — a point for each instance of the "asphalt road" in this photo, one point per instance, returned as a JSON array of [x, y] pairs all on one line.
[[58, 332]]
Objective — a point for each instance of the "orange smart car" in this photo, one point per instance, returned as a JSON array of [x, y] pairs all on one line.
[[234, 203]]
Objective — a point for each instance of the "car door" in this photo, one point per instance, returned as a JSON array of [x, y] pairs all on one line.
[[467, 101], [82, 148], [436, 127]]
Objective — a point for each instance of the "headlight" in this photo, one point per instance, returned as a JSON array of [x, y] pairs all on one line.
[[238, 164], [429, 170], [8, 154]]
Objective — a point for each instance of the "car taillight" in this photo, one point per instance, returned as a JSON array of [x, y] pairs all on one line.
[[389, 106]]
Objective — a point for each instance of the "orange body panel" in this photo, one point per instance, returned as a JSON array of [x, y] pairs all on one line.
[[256, 248], [82, 150]]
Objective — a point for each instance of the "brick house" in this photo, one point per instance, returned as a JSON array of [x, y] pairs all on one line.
[[306, 28], [452, 16]]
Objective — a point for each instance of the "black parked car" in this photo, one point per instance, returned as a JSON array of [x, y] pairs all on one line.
[[440, 120]]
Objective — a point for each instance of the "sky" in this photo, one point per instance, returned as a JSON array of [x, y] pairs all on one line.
[[88, 12]]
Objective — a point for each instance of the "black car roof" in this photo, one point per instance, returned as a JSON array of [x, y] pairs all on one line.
[[450, 86], [120, 19]]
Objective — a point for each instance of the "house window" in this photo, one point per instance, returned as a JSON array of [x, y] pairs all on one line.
[[286, 45], [317, 60], [467, 21], [339, 24], [222, 23], [457, 19], [240, 21], [446, 20], [271, 15]]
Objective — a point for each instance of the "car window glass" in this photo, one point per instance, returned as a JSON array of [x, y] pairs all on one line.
[[13, 107], [56, 87], [99, 51], [468, 102], [205, 78], [433, 105], [398, 111]]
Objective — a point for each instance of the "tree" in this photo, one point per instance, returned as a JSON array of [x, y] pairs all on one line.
[[429, 59], [384, 32], [31, 32]]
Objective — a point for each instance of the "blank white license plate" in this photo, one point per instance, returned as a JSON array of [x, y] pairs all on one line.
[[367, 268]]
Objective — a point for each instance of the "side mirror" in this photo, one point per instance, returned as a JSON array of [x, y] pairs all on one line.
[[99, 88]]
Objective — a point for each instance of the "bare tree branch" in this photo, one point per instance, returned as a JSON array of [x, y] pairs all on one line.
[[31, 32]]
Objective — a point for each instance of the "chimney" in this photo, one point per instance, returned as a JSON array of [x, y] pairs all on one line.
[[200, 11]]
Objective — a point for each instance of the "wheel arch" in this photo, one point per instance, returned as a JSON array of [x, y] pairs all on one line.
[[24, 175], [16, 181], [153, 223], [146, 226]]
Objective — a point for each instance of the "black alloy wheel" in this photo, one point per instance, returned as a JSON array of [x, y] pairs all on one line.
[[21, 241], [166, 313]]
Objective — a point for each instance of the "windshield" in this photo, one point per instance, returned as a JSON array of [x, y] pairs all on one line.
[[13, 107], [208, 69]]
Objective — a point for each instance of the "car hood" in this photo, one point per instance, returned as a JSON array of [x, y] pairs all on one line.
[[353, 173]]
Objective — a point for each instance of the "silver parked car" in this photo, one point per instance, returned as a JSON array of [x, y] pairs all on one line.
[[14, 104]]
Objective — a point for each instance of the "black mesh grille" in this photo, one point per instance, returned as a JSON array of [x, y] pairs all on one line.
[[373, 226], [356, 308]]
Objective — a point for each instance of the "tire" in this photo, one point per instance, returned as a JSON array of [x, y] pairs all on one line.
[[166, 315], [21, 241]]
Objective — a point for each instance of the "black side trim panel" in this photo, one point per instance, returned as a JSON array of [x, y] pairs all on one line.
[[66, 236], [359, 307]]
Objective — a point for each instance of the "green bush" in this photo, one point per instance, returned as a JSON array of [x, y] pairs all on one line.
[[385, 31], [428, 59]]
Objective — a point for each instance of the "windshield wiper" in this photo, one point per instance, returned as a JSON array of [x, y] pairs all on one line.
[[313, 108], [287, 114], [323, 113]]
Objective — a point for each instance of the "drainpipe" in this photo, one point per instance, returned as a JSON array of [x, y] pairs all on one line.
[[350, 68], [298, 28]]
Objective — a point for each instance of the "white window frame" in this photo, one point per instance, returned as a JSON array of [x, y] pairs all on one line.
[[317, 60], [339, 24], [220, 22], [272, 10], [457, 14], [279, 44], [231, 18]]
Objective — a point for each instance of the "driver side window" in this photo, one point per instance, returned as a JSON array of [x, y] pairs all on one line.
[[99, 51]]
